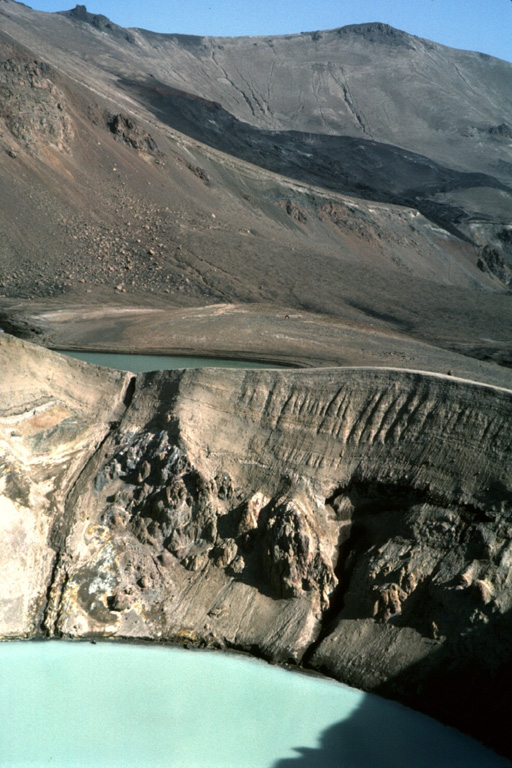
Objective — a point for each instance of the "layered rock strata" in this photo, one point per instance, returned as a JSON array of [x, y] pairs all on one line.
[[54, 412], [353, 520]]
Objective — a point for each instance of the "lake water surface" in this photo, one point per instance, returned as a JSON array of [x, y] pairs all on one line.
[[76, 705], [140, 363]]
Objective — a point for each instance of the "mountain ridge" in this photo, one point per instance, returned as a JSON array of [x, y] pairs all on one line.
[[374, 31]]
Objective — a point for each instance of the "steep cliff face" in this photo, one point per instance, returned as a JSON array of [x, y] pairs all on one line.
[[355, 520], [54, 412]]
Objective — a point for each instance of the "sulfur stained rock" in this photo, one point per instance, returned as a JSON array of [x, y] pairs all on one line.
[[54, 413]]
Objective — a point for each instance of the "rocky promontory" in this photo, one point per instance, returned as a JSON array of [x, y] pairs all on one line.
[[356, 521]]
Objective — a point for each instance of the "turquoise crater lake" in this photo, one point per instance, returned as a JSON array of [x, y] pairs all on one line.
[[142, 363], [75, 704]]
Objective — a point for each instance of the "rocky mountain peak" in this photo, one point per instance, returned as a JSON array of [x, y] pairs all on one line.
[[378, 32], [99, 21], [80, 13]]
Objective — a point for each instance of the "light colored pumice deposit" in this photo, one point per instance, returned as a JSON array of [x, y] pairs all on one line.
[[353, 520]]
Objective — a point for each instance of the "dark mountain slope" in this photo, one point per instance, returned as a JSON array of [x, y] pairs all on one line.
[[147, 168], [366, 80], [354, 166]]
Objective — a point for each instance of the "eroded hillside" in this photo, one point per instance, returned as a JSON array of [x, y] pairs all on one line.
[[360, 173]]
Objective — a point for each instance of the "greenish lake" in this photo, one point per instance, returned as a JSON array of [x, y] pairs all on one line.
[[79, 705], [140, 363]]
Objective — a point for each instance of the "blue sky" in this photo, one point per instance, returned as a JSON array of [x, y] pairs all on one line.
[[479, 25]]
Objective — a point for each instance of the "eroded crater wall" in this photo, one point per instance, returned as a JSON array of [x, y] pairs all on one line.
[[355, 520]]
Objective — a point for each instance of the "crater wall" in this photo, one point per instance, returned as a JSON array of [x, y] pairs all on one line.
[[353, 520]]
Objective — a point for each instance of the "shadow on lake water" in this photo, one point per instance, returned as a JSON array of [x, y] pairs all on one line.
[[385, 734]]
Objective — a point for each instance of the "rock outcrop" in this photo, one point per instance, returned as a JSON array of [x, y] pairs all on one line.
[[33, 110], [54, 412], [353, 520]]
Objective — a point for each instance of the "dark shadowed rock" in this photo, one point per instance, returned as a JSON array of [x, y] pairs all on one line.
[[80, 14]]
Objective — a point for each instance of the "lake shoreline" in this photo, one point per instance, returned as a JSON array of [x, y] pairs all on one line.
[[251, 714], [250, 332]]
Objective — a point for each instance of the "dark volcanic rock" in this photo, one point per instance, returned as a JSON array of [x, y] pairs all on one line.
[[356, 521], [502, 131], [492, 261], [127, 130], [376, 32], [80, 14], [354, 166], [32, 107]]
